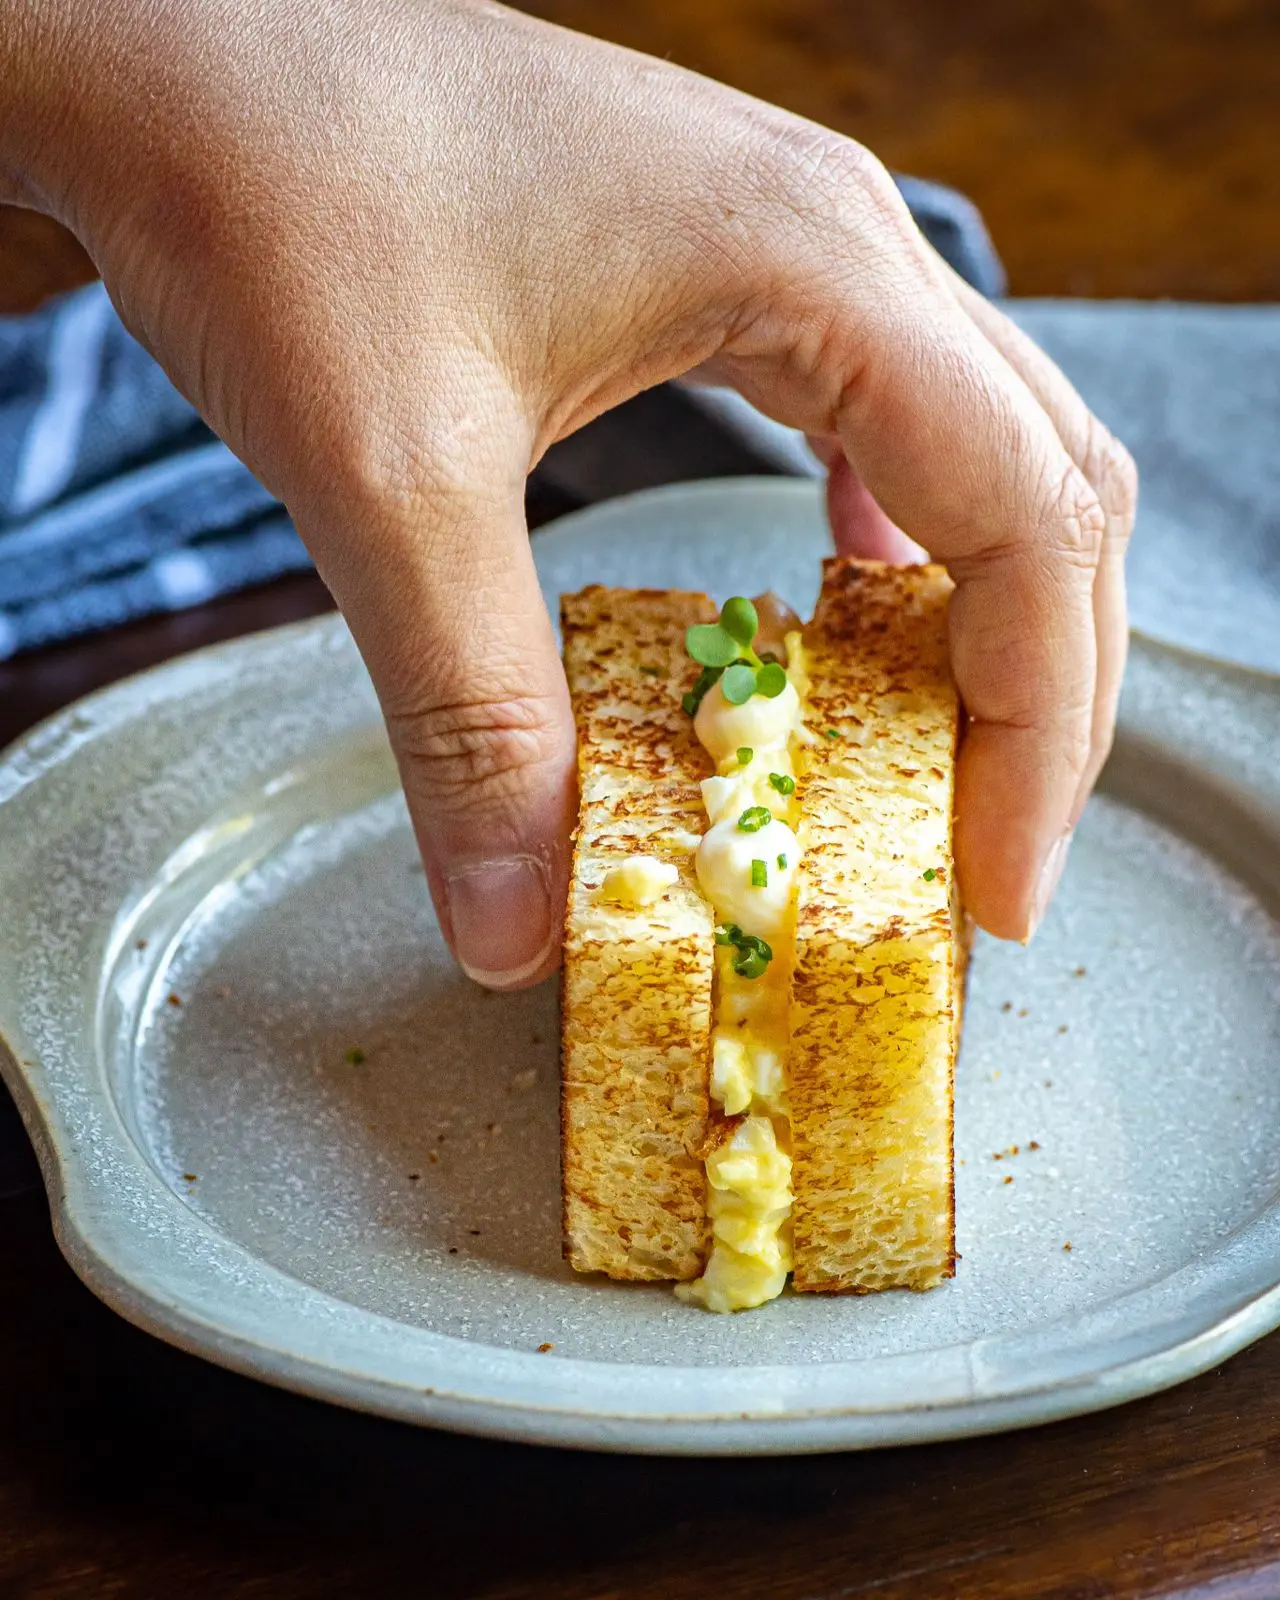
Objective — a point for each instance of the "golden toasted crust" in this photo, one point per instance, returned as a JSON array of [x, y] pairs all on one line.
[[636, 991], [876, 995]]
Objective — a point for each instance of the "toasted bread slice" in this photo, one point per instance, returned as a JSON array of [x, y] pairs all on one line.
[[636, 991], [876, 996]]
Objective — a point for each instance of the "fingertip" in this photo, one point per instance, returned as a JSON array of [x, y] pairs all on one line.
[[858, 524]]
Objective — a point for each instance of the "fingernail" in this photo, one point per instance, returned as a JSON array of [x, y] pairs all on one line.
[[500, 916], [1050, 873]]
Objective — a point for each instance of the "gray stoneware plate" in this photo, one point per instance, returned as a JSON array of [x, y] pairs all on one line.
[[211, 906]]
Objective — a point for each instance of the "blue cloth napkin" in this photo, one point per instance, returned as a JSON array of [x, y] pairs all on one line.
[[117, 502]]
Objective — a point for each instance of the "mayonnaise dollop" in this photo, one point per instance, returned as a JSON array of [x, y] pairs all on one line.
[[748, 873]]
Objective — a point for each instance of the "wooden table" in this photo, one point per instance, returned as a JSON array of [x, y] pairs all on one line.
[[1118, 147]]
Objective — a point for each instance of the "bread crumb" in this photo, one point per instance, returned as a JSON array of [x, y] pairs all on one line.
[[1007, 1006], [1009, 1178], [1067, 1246], [543, 1348], [1034, 1145], [189, 1177], [1023, 1012], [525, 1080], [1079, 973], [173, 999], [433, 1156]]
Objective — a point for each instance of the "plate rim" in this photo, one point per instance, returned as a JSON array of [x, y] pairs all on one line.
[[86, 1237]]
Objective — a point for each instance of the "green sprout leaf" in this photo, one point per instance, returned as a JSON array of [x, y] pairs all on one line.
[[707, 678], [753, 954], [754, 818], [782, 863], [750, 964], [711, 646], [771, 680], [783, 783], [745, 753], [738, 683], [739, 620], [759, 875]]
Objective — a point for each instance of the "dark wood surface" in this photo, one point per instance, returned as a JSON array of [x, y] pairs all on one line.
[[1118, 147]]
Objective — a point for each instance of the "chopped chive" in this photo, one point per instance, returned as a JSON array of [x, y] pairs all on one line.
[[930, 873], [754, 818], [759, 875], [782, 863], [745, 753], [782, 783], [731, 933], [831, 733], [652, 672], [354, 1056]]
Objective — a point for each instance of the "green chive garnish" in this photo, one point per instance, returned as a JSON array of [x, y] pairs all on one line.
[[782, 783], [754, 818], [354, 1056], [831, 733], [759, 875], [745, 753], [782, 863], [930, 874], [652, 672]]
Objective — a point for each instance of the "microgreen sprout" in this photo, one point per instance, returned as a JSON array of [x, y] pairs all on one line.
[[754, 818], [724, 651], [782, 782], [753, 954]]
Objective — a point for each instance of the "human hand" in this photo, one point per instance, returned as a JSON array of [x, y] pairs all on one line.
[[393, 251]]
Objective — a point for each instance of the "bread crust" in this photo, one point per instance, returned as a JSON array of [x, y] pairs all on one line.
[[875, 1008], [636, 989]]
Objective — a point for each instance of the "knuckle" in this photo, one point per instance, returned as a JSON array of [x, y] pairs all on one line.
[[476, 753], [1114, 473], [1075, 521]]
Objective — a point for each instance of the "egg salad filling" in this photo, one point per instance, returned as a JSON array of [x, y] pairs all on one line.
[[749, 716]]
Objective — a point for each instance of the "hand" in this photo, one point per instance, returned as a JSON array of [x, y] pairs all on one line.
[[393, 251]]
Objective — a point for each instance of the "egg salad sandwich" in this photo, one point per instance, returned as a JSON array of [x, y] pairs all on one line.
[[764, 949]]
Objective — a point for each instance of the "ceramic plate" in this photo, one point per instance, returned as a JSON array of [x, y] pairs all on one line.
[[278, 1129]]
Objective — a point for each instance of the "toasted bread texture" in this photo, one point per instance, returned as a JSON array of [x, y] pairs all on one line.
[[636, 989], [876, 996]]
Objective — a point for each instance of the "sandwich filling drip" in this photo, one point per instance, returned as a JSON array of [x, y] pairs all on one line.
[[746, 866]]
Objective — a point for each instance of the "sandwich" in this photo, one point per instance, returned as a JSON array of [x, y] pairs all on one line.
[[764, 947]]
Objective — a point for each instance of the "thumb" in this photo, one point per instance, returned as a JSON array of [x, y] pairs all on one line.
[[443, 600]]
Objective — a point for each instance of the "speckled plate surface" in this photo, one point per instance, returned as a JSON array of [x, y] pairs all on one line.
[[278, 1129]]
